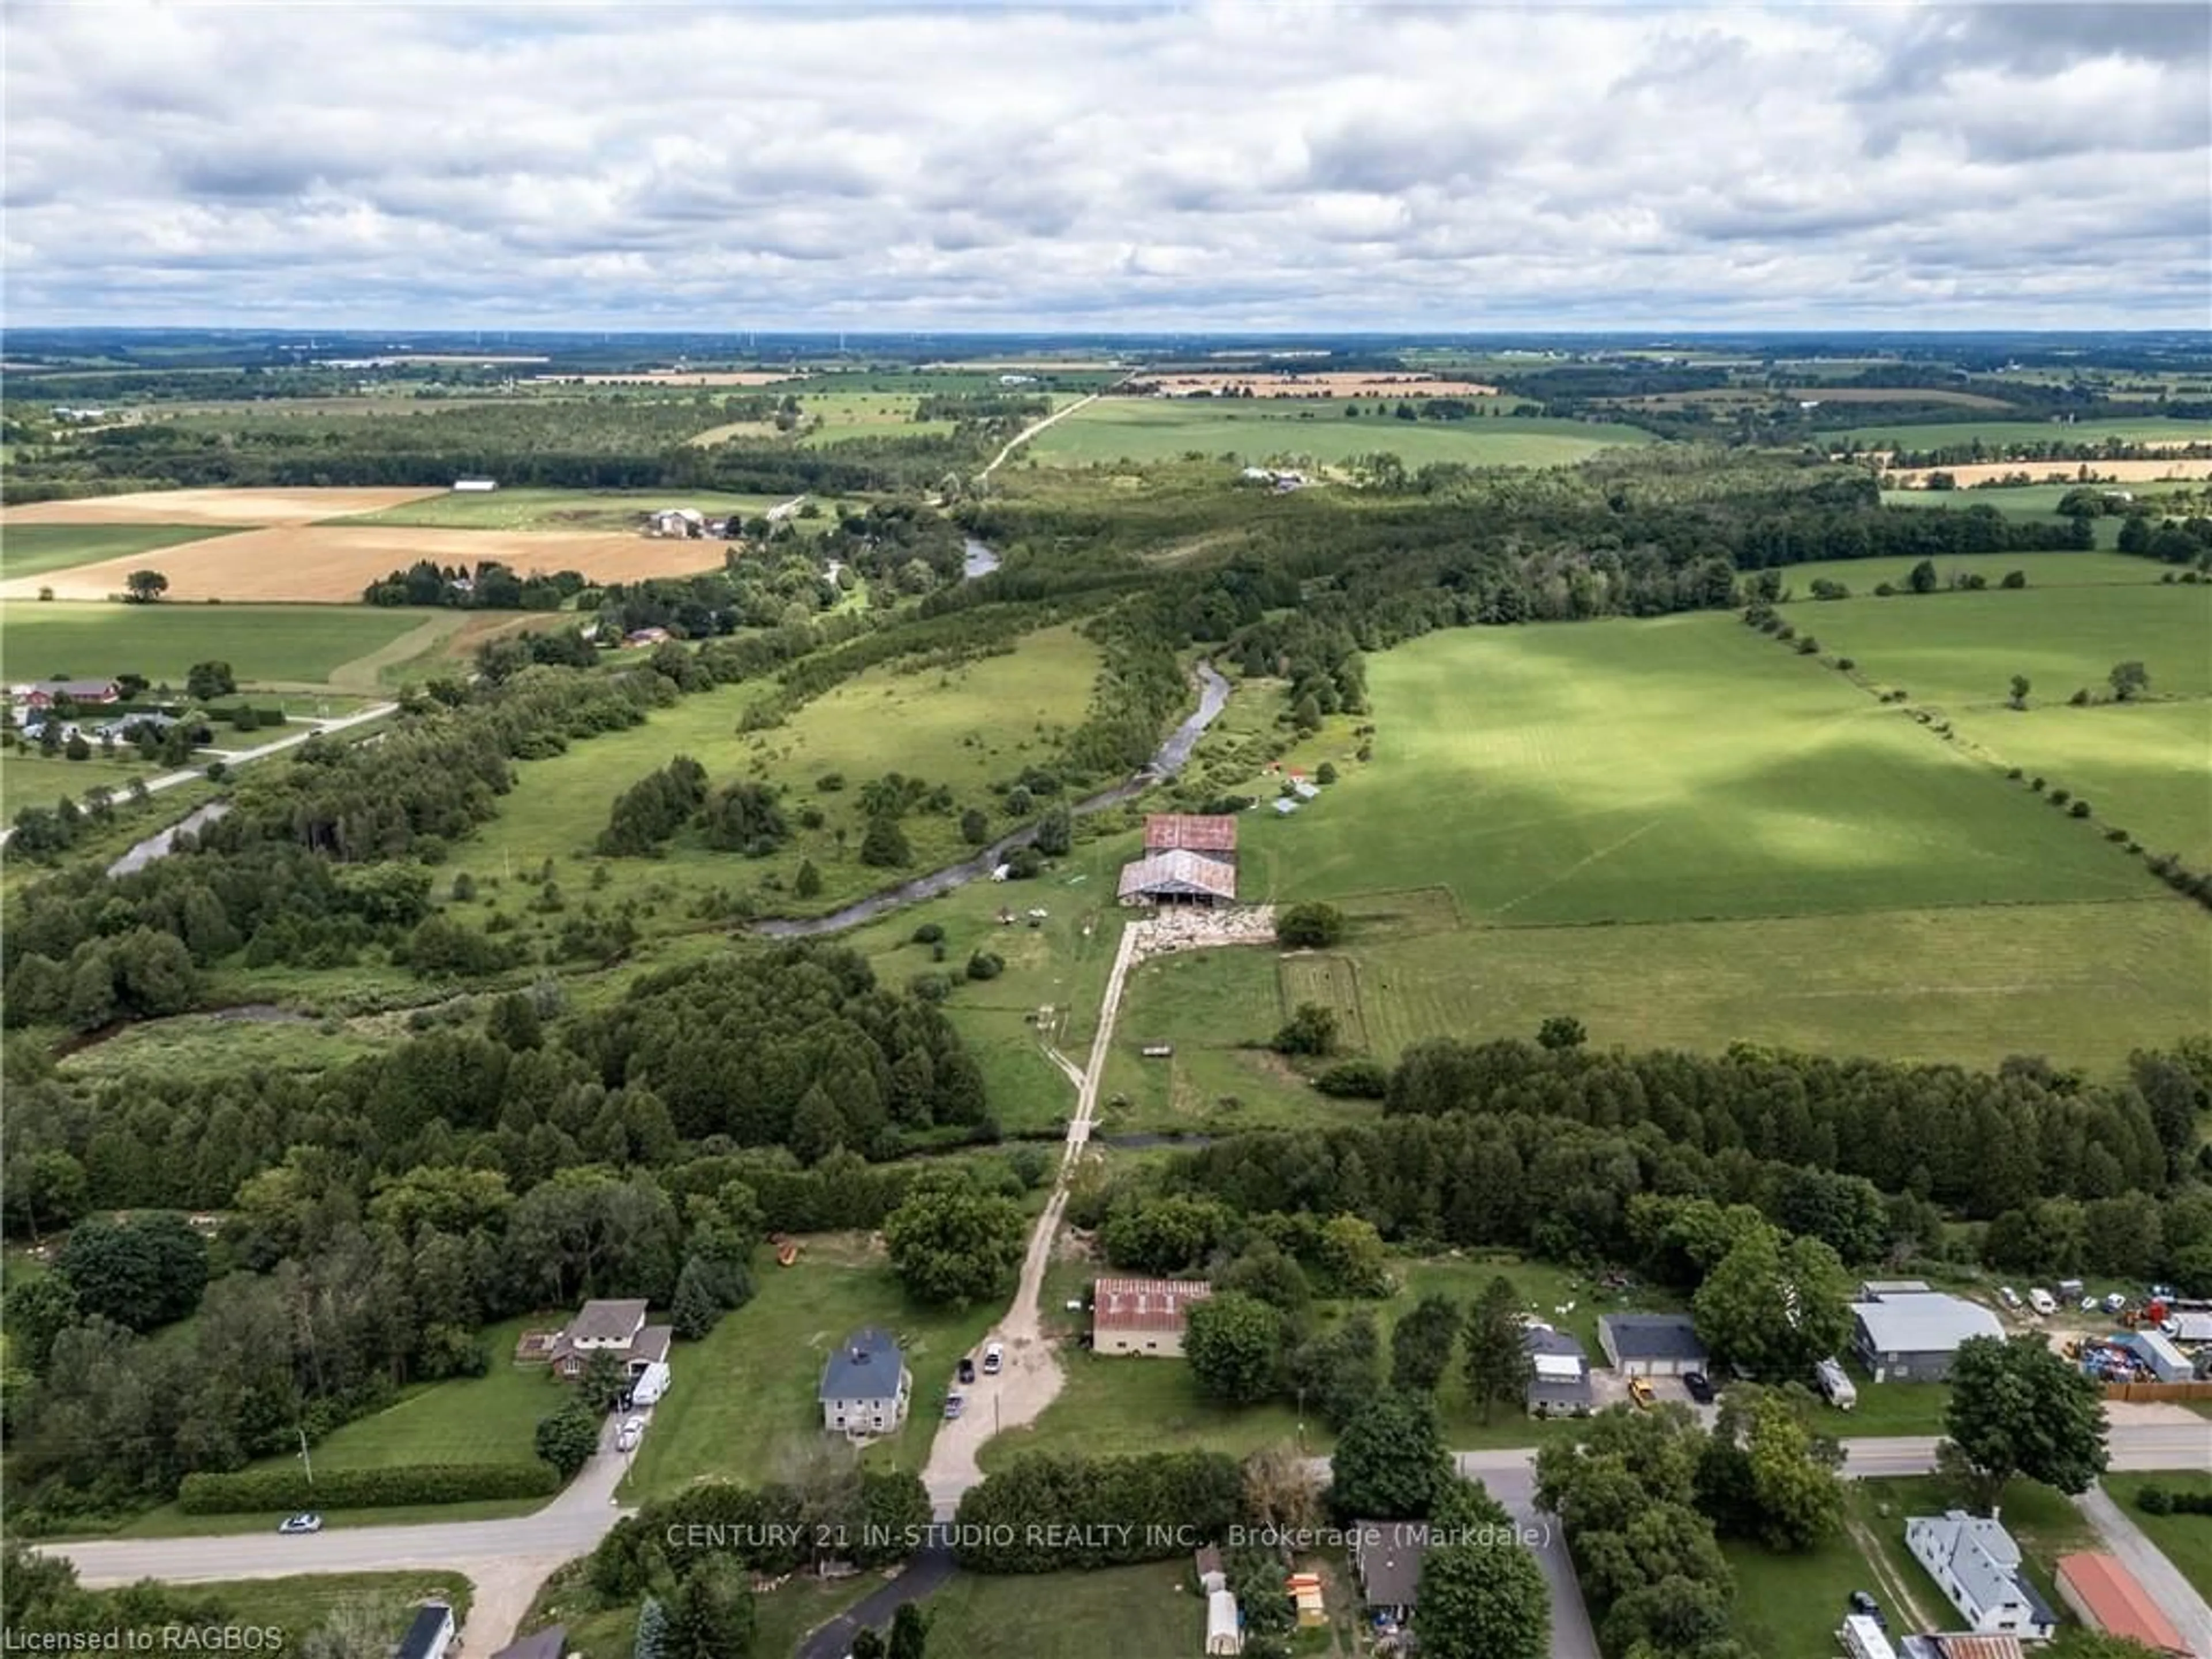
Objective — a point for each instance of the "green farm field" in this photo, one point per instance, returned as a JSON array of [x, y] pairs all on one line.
[[561, 509], [2142, 765], [1143, 430], [2021, 501], [1996, 433], [742, 1404], [264, 644], [1680, 769], [33, 549], [1960, 650], [2042, 570], [30, 779], [1960, 985], [964, 726]]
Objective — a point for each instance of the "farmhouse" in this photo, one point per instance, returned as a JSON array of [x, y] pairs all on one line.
[[1975, 1562], [47, 693], [1559, 1376], [430, 1634], [865, 1385], [2105, 1595], [1386, 1558], [1177, 877], [1911, 1335], [1650, 1344], [615, 1328], [1143, 1316]]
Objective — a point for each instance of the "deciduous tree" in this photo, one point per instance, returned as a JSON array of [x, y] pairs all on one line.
[[1234, 1344], [953, 1244], [1390, 1464], [1496, 1365], [2019, 1408]]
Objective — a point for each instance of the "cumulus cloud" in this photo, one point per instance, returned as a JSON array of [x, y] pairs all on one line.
[[1220, 165]]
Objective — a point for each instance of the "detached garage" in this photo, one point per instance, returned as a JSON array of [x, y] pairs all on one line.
[[1650, 1344]]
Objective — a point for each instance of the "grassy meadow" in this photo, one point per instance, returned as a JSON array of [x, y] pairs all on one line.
[[33, 549], [965, 725], [1687, 769], [291, 644], [1260, 429], [2042, 570], [1960, 650], [1068, 1615], [297, 1605]]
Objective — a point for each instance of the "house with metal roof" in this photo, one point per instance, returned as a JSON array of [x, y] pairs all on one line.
[[429, 1634], [1191, 832], [1178, 877], [1975, 1562], [1143, 1316], [1386, 1558], [866, 1386], [1909, 1336], [2105, 1595]]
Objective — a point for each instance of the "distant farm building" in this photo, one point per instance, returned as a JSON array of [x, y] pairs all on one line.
[[47, 693], [1189, 859], [677, 522], [1143, 1316], [1178, 879], [476, 486], [1191, 832]]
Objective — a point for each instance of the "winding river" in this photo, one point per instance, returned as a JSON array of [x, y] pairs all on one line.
[[1169, 759], [162, 843]]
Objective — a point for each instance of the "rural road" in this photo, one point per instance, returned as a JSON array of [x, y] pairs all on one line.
[[1029, 432], [237, 757], [2175, 1597], [508, 1559]]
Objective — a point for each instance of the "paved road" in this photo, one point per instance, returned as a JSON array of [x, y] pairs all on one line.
[[575, 1521], [2175, 1597], [924, 1575], [238, 757]]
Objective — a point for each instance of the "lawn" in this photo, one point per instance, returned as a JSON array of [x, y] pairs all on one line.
[[295, 644], [1257, 430], [742, 1404], [1960, 650], [33, 549], [1682, 769], [1789, 1606], [531, 509], [965, 726], [1148, 1610], [297, 1606], [475, 1419], [1995, 436], [2186, 1540]]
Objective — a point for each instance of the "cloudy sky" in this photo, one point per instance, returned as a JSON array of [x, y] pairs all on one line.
[[1097, 166]]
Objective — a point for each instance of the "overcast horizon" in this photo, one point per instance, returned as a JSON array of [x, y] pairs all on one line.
[[1108, 170]]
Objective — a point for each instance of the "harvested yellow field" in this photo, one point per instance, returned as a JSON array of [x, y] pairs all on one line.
[[1322, 383], [333, 563], [215, 506], [1981, 473]]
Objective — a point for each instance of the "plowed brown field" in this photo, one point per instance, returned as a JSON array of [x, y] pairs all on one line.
[[215, 506], [330, 564], [1324, 383], [2148, 471]]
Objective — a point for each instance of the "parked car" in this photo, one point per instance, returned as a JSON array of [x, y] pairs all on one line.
[[994, 1358], [1866, 1606], [627, 1436], [2008, 1295], [967, 1368], [2114, 1303], [1640, 1391], [954, 1405], [304, 1521], [1699, 1386], [2043, 1302]]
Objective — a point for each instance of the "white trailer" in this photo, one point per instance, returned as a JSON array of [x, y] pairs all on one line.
[[651, 1384], [1862, 1638], [1842, 1394]]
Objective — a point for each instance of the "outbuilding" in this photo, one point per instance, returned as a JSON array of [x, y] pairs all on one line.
[[429, 1634], [2156, 1351], [1143, 1316], [2105, 1595], [1178, 877], [1224, 1631], [1910, 1336], [1650, 1344]]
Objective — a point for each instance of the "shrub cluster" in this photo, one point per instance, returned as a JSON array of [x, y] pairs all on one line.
[[361, 1489]]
